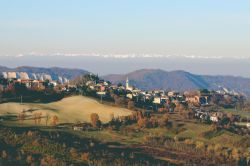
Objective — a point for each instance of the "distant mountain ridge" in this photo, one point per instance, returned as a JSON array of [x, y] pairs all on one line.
[[179, 80], [148, 79], [54, 72]]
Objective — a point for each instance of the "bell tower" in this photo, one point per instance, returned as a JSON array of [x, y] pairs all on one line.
[[127, 83]]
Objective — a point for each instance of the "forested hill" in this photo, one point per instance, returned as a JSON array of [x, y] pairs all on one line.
[[179, 80]]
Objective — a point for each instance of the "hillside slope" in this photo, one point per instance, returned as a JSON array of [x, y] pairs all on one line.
[[68, 110]]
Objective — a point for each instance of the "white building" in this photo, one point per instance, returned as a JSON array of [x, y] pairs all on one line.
[[4, 75], [130, 96], [47, 77], [214, 118], [11, 75], [127, 85], [23, 76], [157, 100]]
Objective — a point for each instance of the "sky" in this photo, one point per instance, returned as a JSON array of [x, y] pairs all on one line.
[[202, 28]]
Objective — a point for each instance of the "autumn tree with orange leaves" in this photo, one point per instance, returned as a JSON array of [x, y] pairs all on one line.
[[55, 120], [95, 121]]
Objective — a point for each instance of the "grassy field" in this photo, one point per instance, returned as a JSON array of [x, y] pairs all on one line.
[[237, 112], [79, 108], [128, 136], [68, 110]]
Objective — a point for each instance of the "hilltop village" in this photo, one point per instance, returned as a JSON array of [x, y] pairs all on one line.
[[204, 104]]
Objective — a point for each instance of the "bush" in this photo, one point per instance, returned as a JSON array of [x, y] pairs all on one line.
[[163, 121], [189, 142], [73, 152], [85, 156], [200, 145]]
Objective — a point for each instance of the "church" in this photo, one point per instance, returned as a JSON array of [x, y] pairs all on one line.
[[128, 88]]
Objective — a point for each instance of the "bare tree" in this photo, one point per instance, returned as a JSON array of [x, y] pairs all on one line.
[[37, 117], [21, 116], [47, 117]]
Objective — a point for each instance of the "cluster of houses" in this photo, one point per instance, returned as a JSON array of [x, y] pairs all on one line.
[[160, 97], [208, 115], [30, 80], [218, 116]]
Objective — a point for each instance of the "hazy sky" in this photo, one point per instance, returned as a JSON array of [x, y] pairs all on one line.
[[197, 27]]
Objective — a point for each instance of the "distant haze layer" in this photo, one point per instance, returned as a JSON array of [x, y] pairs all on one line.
[[104, 65]]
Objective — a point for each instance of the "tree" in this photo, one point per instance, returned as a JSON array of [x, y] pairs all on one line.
[[73, 152], [4, 154], [172, 106], [131, 104], [85, 156], [190, 114], [200, 145], [240, 102], [143, 122], [210, 149], [119, 84], [214, 127], [204, 92], [218, 148], [138, 115], [235, 153], [163, 121], [47, 118], [153, 121], [1, 88], [29, 159], [21, 116], [247, 106], [55, 120], [112, 116], [119, 100], [95, 121], [50, 160], [37, 117], [189, 141], [181, 109]]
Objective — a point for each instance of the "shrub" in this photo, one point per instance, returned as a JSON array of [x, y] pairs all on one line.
[[200, 145], [73, 152], [4, 154], [163, 121], [189, 141], [29, 159], [85, 156]]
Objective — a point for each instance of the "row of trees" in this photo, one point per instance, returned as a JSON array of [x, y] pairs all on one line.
[[142, 119], [37, 117]]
